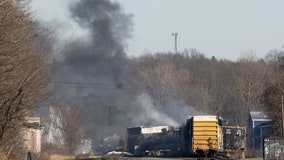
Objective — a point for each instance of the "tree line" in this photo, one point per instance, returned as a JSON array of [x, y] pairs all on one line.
[[227, 88]]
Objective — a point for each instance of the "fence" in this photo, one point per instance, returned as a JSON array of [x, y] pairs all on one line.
[[273, 148]]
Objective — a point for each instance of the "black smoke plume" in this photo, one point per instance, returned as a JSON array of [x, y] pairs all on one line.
[[95, 67], [90, 74]]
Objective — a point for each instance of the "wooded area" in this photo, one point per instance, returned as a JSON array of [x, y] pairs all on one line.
[[219, 87]]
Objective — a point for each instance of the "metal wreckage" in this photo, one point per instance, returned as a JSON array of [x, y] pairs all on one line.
[[200, 136]]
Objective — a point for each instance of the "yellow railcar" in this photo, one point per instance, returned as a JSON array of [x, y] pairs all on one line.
[[204, 135]]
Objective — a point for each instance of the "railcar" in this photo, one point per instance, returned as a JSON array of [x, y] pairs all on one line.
[[200, 136], [203, 135], [234, 140], [154, 141]]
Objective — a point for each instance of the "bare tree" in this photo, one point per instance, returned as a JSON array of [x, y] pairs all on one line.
[[23, 73], [271, 99], [71, 128], [163, 80], [249, 78], [65, 126]]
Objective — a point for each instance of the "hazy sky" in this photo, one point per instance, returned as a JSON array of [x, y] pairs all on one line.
[[222, 28]]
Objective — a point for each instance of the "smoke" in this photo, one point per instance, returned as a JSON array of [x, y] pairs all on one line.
[[102, 55], [179, 110], [98, 63], [170, 112], [151, 114], [90, 75]]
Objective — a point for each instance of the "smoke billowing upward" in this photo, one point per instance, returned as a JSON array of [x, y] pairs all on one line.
[[103, 52], [99, 59], [98, 63]]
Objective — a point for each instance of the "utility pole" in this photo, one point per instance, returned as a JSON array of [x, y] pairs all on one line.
[[175, 35]]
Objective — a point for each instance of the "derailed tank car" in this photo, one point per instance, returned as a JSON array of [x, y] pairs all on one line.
[[155, 141]]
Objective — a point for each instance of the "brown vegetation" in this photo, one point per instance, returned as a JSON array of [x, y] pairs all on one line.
[[70, 126], [23, 73], [219, 87], [271, 98]]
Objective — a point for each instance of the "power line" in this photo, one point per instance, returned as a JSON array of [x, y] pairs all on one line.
[[91, 85], [107, 85], [82, 83], [86, 87]]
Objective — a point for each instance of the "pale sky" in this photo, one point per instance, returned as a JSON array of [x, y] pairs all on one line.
[[222, 28]]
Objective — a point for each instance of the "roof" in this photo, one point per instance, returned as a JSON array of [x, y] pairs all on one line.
[[154, 129], [205, 118], [259, 116], [202, 117]]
